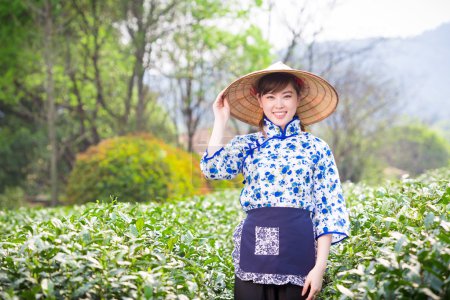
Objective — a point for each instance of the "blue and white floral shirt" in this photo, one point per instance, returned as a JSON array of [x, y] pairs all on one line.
[[288, 168]]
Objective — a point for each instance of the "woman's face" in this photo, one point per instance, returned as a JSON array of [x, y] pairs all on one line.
[[280, 107]]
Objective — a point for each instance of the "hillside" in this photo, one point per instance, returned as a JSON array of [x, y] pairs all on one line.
[[422, 66]]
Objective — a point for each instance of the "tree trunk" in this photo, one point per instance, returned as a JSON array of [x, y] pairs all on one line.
[[140, 107], [51, 113]]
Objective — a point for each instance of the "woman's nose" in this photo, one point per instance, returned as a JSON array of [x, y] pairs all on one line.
[[279, 102]]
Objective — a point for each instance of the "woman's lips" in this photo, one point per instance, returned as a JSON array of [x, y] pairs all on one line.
[[280, 115]]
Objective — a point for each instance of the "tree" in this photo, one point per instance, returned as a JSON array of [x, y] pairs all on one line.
[[367, 98], [73, 82], [414, 148], [367, 107], [146, 22], [203, 56], [50, 18], [17, 122], [49, 53], [119, 42]]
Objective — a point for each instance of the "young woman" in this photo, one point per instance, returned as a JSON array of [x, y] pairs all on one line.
[[292, 194]]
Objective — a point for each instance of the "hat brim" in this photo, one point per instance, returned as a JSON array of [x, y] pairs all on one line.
[[318, 98]]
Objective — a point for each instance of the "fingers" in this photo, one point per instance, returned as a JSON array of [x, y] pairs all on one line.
[[313, 289], [225, 102], [221, 108], [221, 94], [306, 285], [312, 293], [220, 100]]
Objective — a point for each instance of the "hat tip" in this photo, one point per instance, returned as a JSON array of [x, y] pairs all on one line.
[[278, 65]]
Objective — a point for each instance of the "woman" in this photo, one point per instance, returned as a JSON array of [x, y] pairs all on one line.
[[292, 193]]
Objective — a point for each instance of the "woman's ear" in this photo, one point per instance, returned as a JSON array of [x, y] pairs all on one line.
[[259, 100]]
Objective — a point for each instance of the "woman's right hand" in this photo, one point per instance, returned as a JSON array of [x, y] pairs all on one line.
[[221, 108]]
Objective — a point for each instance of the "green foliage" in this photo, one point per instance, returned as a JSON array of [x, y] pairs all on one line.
[[19, 152], [95, 79], [116, 250], [399, 244], [12, 170], [443, 128], [407, 149], [133, 168], [15, 32], [398, 248], [372, 170], [415, 148], [11, 198], [218, 185], [246, 50]]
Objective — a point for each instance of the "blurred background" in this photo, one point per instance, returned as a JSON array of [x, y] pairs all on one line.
[[112, 99]]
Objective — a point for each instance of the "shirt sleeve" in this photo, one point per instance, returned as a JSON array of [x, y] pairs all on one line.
[[226, 162], [330, 214]]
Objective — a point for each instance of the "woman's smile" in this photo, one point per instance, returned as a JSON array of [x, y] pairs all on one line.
[[280, 115], [280, 107]]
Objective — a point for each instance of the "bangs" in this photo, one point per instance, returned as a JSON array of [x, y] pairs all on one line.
[[275, 82]]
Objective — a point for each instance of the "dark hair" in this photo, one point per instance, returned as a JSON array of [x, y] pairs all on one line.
[[275, 82]]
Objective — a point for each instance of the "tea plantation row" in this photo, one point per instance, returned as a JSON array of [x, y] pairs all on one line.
[[398, 249]]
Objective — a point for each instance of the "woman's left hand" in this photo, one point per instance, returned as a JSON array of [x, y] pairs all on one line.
[[314, 281]]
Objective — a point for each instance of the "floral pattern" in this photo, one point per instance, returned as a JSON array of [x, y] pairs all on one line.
[[267, 240], [288, 168], [263, 278]]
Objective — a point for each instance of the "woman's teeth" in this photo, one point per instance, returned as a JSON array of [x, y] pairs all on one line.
[[280, 114]]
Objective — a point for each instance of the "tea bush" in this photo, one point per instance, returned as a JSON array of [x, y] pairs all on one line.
[[134, 168], [120, 250], [398, 248]]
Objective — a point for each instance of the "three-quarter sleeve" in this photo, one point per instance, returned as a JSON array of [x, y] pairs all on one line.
[[330, 215], [226, 162]]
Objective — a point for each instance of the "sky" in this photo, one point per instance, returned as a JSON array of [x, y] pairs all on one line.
[[355, 19]]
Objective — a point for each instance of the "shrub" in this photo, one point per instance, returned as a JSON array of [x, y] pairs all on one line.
[[414, 148], [13, 197], [398, 248], [134, 168], [120, 250], [399, 243]]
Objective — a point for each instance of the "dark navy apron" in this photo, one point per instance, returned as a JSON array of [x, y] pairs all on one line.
[[278, 240]]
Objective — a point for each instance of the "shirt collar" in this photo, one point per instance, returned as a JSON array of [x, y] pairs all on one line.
[[272, 130]]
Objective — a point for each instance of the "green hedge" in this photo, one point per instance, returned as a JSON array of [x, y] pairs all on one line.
[[398, 248], [172, 250], [134, 168]]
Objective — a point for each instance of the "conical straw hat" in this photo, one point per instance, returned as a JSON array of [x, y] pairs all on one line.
[[318, 98]]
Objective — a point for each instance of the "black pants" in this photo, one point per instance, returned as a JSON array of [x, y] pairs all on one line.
[[248, 290]]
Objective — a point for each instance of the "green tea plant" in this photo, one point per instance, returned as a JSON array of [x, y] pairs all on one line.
[[399, 244], [120, 250], [398, 248]]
